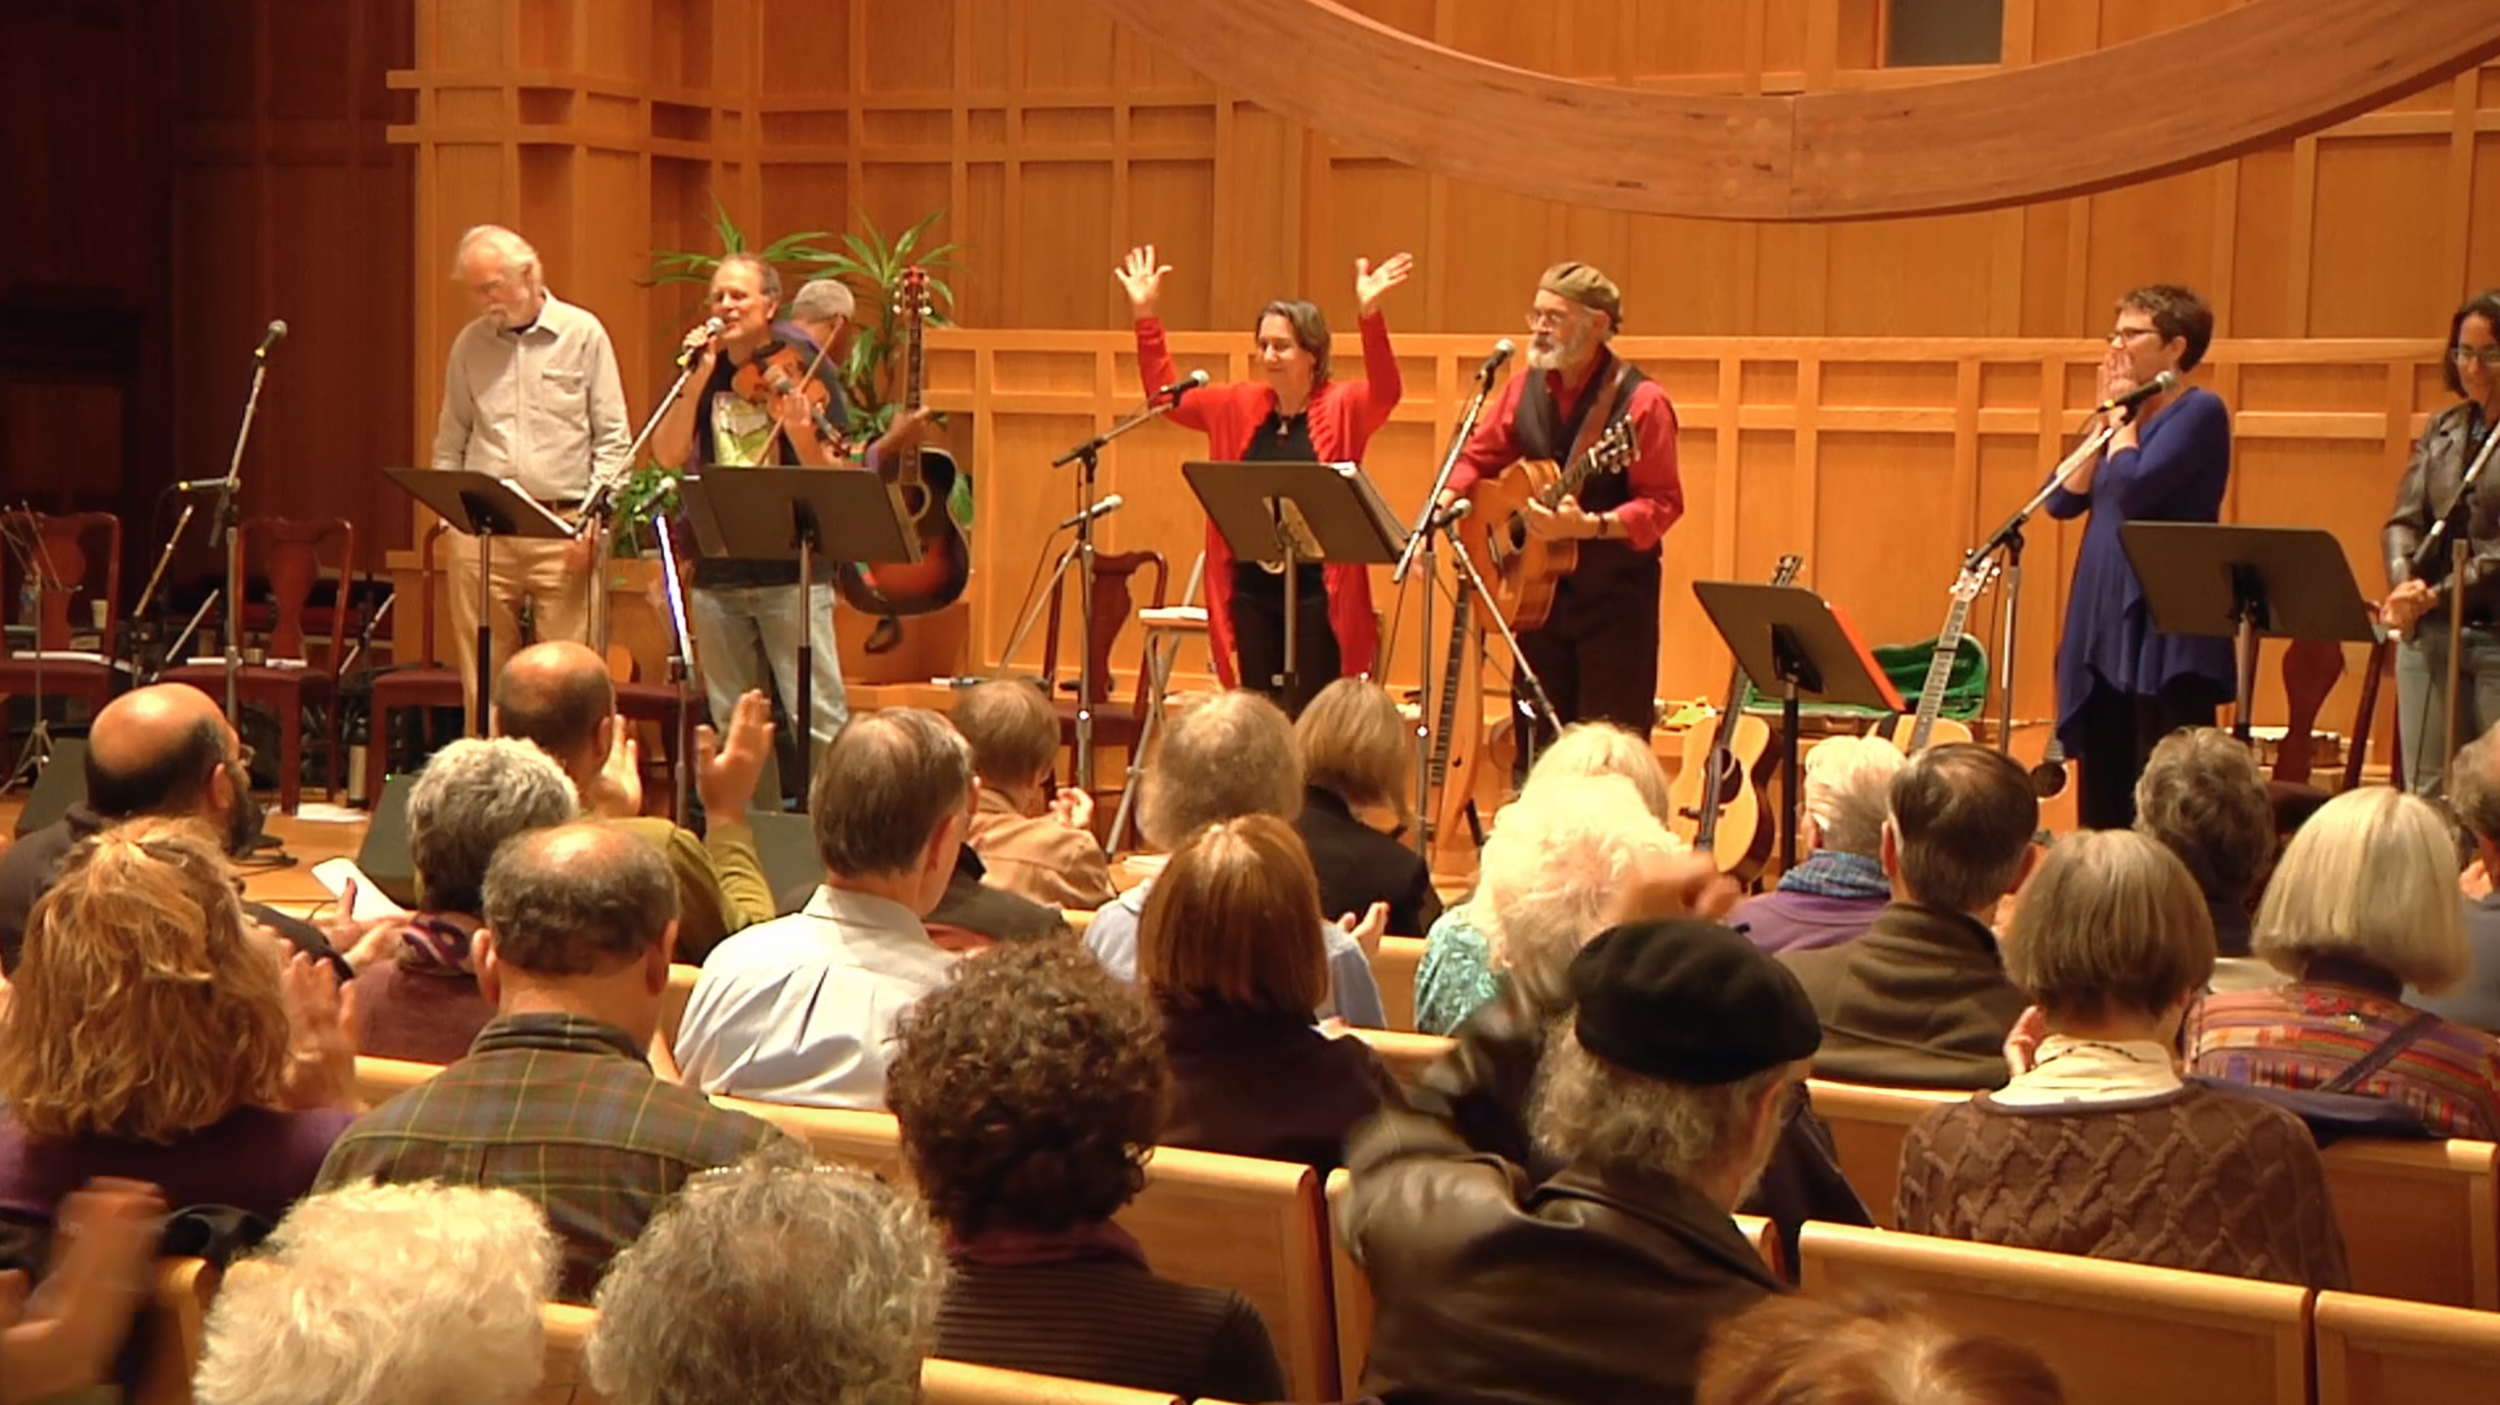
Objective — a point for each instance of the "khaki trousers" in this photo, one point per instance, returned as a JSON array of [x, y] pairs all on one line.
[[524, 569]]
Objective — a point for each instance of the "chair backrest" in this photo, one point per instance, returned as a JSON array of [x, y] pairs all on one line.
[[681, 979], [295, 555], [380, 1080], [1868, 1126], [2382, 664], [2112, 1331], [961, 1383], [1407, 1054], [1393, 970], [2372, 1351], [74, 553], [177, 1332], [567, 1379], [870, 1141], [2311, 668], [1115, 600], [2421, 1220]]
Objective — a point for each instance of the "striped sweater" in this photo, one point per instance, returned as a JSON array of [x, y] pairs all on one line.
[[2303, 1034], [1110, 1320]]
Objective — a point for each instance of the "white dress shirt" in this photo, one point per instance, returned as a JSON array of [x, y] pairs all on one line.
[[801, 1009], [543, 406]]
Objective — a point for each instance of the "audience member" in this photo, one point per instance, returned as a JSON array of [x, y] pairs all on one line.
[[386, 1295], [801, 1009], [162, 751], [473, 795], [1230, 950], [1661, 1101], [2202, 798], [58, 1344], [1230, 756], [1457, 972], [972, 915], [2363, 904], [560, 696], [1865, 1351], [554, 1099], [771, 1284], [1358, 760], [1036, 842], [2096, 1146], [1922, 1000], [1840, 888], [2474, 793], [151, 1038], [1030, 1092]]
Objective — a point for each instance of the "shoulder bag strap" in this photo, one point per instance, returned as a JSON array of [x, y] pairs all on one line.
[[2370, 1063]]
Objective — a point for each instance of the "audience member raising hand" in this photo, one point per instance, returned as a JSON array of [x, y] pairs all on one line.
[[63, 1338]]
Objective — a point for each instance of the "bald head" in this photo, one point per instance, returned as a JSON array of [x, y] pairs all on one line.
[[559, 696], [157, 751], [578, 899]]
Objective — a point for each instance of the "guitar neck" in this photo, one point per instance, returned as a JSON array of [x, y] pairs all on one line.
[[1939, 673]]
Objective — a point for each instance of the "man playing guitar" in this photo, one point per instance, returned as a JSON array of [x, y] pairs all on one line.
[[1597, 652]]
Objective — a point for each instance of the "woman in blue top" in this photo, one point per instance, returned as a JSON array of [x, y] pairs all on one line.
[[2121, 684]]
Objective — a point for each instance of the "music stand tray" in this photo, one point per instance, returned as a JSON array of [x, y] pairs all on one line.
[[1790, 634], [2218, 580], [790, 513], [1349, 524], [485, 507]]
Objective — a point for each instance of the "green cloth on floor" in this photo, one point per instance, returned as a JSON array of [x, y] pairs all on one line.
[[1965, 692]]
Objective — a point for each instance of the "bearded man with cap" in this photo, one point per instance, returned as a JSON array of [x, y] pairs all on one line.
[[1597, 652], [1660, 1102]]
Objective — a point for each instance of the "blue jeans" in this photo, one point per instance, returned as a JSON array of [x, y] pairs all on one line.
[[731, 622], [2421, 693]]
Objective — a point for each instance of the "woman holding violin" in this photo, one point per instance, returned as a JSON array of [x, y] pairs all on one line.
[[2419, 599], [1294, 412], [759, 395]]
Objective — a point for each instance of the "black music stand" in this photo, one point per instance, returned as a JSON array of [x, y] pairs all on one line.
[[2240, 583], [1349, 523], [799, 514], [1789, 633], [485, 507]]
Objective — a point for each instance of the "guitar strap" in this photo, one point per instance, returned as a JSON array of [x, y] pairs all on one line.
[[1601, 412]]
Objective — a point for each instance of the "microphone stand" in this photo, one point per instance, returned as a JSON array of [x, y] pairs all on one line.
[[147, 595], [2008, 539], [229, 503], [681, 669], [1088, 457], [600, 508]]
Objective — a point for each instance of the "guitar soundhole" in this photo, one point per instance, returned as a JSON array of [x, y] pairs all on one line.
[[1731, 776], [915, 498]]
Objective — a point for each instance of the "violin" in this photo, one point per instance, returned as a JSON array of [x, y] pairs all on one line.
[[779, 377]]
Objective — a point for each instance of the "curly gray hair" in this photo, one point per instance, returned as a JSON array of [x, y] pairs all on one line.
[[475, 794], [1588, 1113], [772, 1284]]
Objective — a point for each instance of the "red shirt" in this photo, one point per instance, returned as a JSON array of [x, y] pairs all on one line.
[[1657, 490]]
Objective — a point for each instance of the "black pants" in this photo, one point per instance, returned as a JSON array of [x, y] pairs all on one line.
[[1597, 653], [1258, 610], [2119, 732]]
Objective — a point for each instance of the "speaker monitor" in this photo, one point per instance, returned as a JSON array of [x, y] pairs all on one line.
[[60, 784], [384, 857], [785, 847]]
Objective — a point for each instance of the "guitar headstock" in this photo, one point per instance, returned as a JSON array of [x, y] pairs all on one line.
[[1615, 448], [911, 295], [1975, 577], [1786, 572]]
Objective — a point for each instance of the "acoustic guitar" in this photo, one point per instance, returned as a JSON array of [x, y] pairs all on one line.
[[1524, 570], [1720, 808], [1928, 726], [925, 481]]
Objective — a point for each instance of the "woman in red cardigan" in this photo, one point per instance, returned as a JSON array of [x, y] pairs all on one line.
[[1294, 412]]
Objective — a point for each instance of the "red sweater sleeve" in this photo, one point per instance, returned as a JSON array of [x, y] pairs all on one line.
[[1657, 489], [1155, 371], [1381, 387], [1493, 447]]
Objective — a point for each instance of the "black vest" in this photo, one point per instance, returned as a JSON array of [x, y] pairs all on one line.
[[1544, 430]]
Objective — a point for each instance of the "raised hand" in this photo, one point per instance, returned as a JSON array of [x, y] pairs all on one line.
[[64, 1339], [725, 773], [1370, 282], [321, 1038], [617, 793], [1074, 808], [1142, 279], [1368, 932]]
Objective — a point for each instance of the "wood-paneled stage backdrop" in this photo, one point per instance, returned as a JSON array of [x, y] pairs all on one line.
[[1873, 394]]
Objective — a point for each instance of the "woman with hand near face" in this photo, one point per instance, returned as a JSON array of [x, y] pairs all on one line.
[[1295, 411], [2420, 596]]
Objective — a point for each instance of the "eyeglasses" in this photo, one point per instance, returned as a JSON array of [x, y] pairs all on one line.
[[2125, 335], [1540, 318], [2468, 355]]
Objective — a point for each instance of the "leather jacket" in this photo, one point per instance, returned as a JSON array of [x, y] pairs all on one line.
[[2427, 491]]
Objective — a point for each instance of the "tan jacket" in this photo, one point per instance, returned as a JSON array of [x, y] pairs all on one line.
[[720, 883], [1038, 858]]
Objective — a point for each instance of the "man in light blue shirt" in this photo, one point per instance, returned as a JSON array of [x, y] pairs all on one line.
[[802, 1009], [1232, 756]]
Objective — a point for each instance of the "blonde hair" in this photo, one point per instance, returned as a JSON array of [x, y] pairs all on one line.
[[1864, 1350], [2112, 922], [1556, 862], [1357, 745], [2372, 876], [1849, 791], [1604, 749], [143, 1008]]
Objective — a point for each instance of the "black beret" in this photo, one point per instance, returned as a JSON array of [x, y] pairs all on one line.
[[1689, 1001]]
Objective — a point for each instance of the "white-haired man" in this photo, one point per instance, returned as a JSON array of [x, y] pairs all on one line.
[[531, 392], [1840, 889]]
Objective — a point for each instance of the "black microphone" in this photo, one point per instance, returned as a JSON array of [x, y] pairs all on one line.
[[2049, 777], [711, 333], [277, 329], [1193, 381], [1104, 508], [1501, 353], [2156, 386]]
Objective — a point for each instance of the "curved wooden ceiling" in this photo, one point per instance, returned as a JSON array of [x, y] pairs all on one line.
[[2207, 91]]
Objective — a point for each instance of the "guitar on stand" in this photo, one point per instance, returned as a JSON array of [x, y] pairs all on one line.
[[1927, 726], [926, 480], [1524, 570], [1718, 795], [1453, 826]]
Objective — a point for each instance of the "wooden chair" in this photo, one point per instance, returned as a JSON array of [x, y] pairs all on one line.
[[71, 551], [2311, 669], [298, 554], [2372, 1351], [870, 1141], [380, 1080], [2421, 1220], [1868, 1126], [177, 1332], [1406, 1054], [961, 1383], [2112, 1331], [1393, 968], [567, 1378], [408, 684], [1114, 602]]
